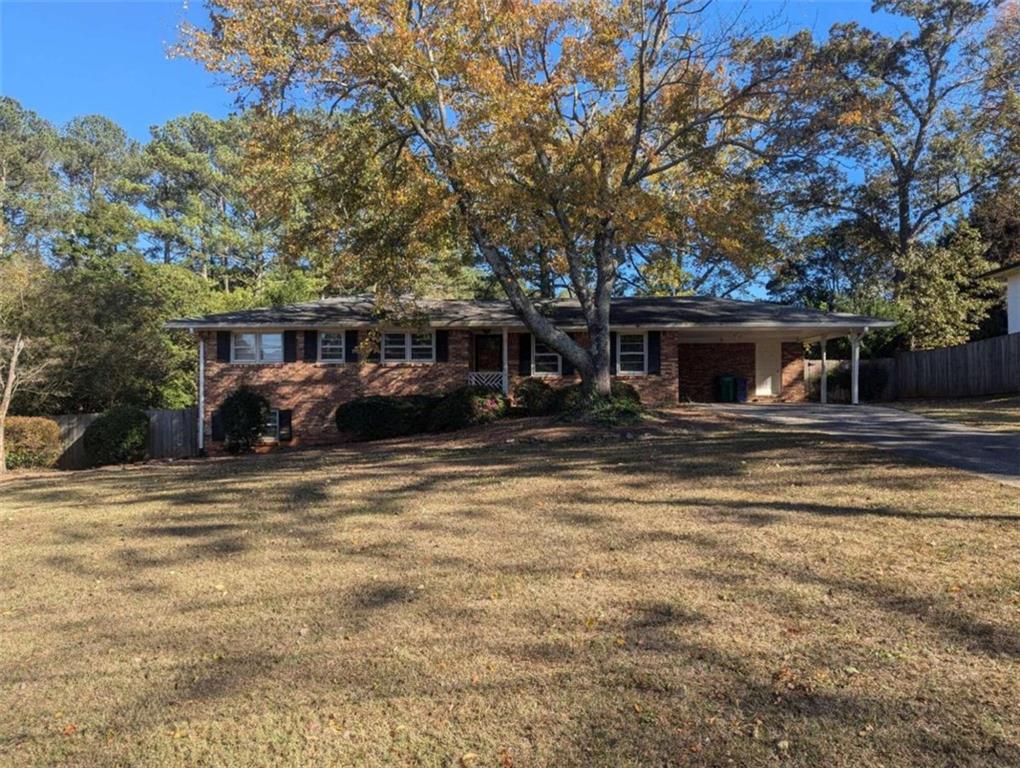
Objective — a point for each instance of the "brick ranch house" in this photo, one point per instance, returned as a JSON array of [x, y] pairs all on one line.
[[307, 358]]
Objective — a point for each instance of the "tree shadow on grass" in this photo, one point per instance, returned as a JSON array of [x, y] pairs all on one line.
[[689, 690]]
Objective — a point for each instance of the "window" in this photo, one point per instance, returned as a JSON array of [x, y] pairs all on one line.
[[630, 353], [421, 347], [271, 347], [271, 429], [544, 360], [394, 347], [400, 347], [245, 346], [331, 347], [257, 347]]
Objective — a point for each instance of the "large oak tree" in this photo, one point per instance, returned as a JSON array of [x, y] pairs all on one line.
[[573, 130]]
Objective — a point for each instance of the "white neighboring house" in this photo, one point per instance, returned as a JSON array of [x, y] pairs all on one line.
[[1011, 275]]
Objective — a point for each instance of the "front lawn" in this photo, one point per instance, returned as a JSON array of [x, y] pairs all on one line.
[[684, 594], [998, 413]]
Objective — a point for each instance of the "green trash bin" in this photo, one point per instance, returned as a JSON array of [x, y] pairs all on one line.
[[726, 389]]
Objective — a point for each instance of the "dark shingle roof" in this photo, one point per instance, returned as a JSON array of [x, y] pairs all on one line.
[[654, 312]]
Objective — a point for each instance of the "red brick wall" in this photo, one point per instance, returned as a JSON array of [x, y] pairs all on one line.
[[654, 389], [700, 364], [313, 390], [794, 386]]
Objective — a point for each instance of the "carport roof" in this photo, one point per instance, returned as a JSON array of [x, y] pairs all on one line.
[[630, 311]]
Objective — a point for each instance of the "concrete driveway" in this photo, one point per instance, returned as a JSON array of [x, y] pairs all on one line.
[[995, 455]]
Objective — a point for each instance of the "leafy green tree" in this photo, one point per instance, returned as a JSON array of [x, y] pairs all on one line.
[[101, 173], [108, 315], [942, 298], [830, 266], [29, 191], [200, 197]]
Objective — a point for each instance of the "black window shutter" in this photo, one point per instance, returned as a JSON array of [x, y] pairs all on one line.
[[290, 346], [612, 352], [351, 346], [524, 354], [286, 434], [654, 346], [311, 346], [223, 346], [442, 346], [217, 427], [566, 367]]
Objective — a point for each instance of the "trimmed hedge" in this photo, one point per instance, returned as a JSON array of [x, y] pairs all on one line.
[[119, 436], [466, 407], [31, 441], [535, 397], [378, 416], [244, 413]]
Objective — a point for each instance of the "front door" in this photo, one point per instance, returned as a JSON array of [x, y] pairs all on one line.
[[488, 352]]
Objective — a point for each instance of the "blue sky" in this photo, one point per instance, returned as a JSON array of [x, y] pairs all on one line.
[[63, 59]]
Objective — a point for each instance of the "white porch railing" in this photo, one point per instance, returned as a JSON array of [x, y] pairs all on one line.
[[486, 379]]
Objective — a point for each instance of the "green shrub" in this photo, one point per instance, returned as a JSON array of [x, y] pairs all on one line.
[[466, 407], [377, 417], [572, 399], [244, 414], [119, 436], [535, 397], [31, 441], [624, 391], [615, 410]]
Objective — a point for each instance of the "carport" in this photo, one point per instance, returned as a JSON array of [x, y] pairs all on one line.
[[766, 350]]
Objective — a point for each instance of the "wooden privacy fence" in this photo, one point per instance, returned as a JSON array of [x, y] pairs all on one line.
[[988, 367], [173, 434]]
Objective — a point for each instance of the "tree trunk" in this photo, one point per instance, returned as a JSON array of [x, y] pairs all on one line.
[[545, 275], [8, 393]]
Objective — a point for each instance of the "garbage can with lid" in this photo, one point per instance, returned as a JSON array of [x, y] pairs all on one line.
[[725, 391]]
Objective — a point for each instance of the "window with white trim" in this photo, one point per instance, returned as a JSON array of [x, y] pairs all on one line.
[[631, 353], [271, 429], [245, 348], [331, 347], [408, 347], [256, 347], [544, 360]]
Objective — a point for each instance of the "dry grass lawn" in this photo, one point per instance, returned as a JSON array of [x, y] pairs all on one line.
[[698, 595], [998, 413]]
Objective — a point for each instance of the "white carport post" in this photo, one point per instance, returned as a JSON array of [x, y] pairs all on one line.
[[506, 364], [825, 372], [855, 366]]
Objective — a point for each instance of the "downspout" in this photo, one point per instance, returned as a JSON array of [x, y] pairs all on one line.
[[201, 392]]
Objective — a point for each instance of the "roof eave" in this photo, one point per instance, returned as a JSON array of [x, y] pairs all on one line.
[[856, 324]]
